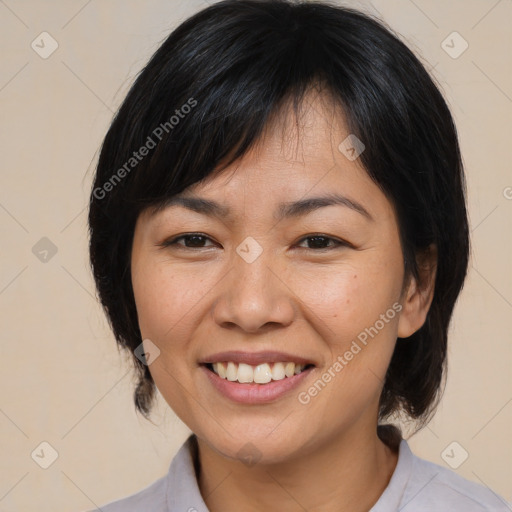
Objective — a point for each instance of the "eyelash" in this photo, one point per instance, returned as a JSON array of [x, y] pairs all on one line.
[[337, 243]]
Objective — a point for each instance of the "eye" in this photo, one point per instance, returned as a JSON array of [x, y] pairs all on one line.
[[192, 241], [316, 242], [319, 241]]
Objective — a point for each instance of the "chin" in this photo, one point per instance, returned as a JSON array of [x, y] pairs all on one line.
[[262, 444]]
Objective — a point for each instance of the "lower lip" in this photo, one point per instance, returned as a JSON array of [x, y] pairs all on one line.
[[252, 393]]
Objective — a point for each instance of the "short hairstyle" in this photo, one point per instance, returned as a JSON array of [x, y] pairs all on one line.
[[205, 97]]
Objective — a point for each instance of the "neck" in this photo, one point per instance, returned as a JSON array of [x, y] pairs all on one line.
[[346, 474]]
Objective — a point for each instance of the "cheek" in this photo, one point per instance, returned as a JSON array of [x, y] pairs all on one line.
[[166, 297], [352, 309], [349, 297], [162, 299]]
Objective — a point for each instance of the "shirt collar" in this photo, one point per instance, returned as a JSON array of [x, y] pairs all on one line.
[[391, 498], [183, 494]]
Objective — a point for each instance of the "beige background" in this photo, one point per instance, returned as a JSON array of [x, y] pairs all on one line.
[[62, 378]]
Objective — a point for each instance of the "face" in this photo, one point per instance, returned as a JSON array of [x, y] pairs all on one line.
[[258, 284]]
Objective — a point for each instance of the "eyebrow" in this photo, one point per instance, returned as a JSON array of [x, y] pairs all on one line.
[[285, 210]]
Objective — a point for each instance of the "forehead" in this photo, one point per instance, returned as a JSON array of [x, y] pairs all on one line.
[[298, 150], [299, 162]]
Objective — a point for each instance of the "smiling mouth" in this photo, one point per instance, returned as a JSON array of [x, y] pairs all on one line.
[[259, 374]]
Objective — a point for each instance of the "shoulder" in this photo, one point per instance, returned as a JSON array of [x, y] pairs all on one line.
[[152, 497], [433, 487], [174, 491]]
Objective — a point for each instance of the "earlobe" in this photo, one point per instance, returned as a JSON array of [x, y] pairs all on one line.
[[418, 296]]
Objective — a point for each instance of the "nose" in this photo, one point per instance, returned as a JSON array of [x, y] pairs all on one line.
[[254, 296]]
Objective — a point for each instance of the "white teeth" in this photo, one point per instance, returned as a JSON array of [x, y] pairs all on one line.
[[261, 374], [221, 370], [231, 371], [245, 373], [298, 368], [278, 371], [289, 369]]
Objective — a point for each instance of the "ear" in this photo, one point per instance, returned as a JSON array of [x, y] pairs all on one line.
[[418, 294]]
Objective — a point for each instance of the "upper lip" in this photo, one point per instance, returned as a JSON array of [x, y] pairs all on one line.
[[255, 358]]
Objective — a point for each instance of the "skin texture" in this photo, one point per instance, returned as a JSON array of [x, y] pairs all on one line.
[[193, 302]]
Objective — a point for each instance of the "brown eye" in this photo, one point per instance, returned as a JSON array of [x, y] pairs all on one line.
[[191, 241], [322, 242]]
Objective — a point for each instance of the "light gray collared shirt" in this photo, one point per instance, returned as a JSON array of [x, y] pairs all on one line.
[[415, 486]]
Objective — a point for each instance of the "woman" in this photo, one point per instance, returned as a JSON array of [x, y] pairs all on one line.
[[279, 236]]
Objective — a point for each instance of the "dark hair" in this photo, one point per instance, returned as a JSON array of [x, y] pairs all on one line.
[[205, 97]]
